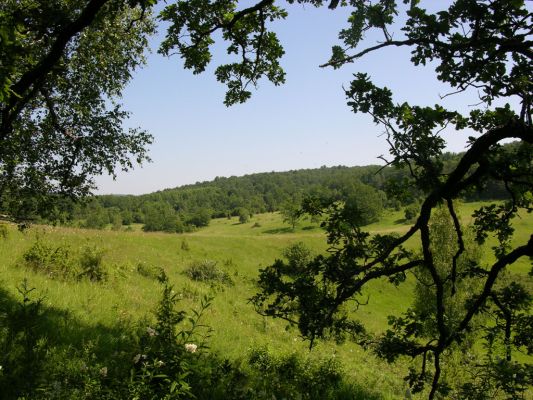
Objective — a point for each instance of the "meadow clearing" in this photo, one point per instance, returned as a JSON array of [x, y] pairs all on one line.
[[83, 311]]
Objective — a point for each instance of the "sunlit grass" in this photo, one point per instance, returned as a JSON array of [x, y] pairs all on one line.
[[127, 297]]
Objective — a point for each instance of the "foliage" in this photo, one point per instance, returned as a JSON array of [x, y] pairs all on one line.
[[290, 376], [91, 264], [483, 45], [200, 218], [167, 356], [291, 213], [54, 261], [207, 271], [65, 65], [22, 345], [149, 271], [161, 217], [411, 212], [244, 215], [259, 193]]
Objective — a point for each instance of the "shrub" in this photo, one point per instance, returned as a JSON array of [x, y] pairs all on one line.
[[149, 271], [411, 212], [169, 351], [292, 376], [207, 271], [52, 261], [91, 264], [244, 215], [4, 233]]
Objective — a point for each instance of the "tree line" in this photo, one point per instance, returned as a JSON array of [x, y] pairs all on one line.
[[184, 208]]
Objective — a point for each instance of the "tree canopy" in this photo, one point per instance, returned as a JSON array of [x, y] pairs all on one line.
[[474, 45]]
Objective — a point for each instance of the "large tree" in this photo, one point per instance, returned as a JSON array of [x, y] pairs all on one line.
[[474, 45]]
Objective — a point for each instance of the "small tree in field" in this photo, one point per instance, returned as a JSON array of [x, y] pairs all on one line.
[[291, 213], [244, 215]]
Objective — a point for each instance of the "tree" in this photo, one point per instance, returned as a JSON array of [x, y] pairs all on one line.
[[244, 215], [481, 45], [291, 213], [60, 123], [64, 65]]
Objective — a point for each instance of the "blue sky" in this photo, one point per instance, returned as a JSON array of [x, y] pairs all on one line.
[[302, 124]]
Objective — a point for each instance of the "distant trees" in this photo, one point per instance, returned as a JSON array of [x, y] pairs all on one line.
[[200, 218], [160, 217]]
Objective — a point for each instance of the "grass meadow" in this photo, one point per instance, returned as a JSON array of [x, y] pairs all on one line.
[[84, 311]]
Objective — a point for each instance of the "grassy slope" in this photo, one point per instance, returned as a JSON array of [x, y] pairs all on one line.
[[241, 249]]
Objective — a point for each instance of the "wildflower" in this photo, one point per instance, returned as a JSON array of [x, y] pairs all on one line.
[[191, 347], [103, 372], [151, 332], [136, 358]]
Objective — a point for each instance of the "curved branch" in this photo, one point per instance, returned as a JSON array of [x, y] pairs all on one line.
[[497, 267], [34, 78]]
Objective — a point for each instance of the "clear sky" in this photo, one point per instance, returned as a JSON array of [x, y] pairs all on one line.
[[302, 124]]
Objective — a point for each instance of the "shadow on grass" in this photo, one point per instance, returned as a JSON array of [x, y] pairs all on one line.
[[26, 323], [277, 231], [402, 221], [32, 334]]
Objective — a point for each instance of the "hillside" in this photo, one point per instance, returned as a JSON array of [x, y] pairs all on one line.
[[182, 208]]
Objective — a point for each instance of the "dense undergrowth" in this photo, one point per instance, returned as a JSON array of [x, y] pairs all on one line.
[[167, 360]]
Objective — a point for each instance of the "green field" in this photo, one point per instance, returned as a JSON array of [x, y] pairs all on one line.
[[97, 311]]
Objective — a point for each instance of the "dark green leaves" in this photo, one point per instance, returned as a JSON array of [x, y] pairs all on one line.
[[256, 49]]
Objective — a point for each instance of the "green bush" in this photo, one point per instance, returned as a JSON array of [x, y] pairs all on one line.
[[50, 260], [411, 212], [207, 271], [149, 271], [4, 233], [292, 376], [91, 264], [169, 351]]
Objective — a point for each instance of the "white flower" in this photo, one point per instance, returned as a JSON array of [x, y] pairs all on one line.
[[151, 332], [191, 347], [136, 358], [103, 371]]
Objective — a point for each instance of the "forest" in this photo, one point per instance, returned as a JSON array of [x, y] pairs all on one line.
[[188, 207]]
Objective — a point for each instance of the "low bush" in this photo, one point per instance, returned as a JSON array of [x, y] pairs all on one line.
[[53, 261], [149, 271], [292, 376], [91, 264], [4, 232], [207, 271]]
